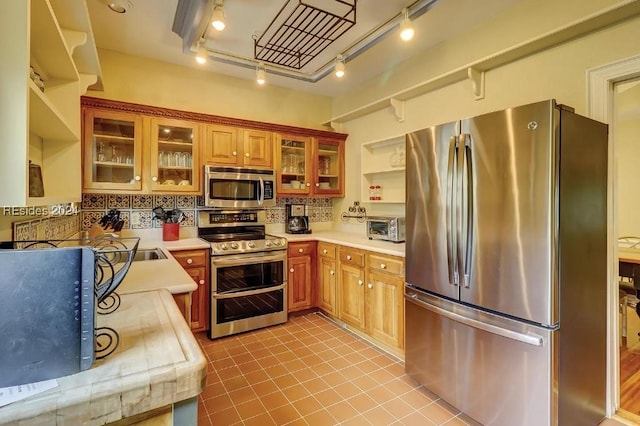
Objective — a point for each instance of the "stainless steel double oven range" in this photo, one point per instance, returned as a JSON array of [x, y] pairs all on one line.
[[248, 266]]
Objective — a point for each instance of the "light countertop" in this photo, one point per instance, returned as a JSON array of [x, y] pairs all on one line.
[[157, 363], [161, 273], [348, 239]]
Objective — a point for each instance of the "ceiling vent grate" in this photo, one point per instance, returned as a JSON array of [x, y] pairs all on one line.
[[300, 31]]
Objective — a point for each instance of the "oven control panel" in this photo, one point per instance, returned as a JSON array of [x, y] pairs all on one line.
[[269, 243]]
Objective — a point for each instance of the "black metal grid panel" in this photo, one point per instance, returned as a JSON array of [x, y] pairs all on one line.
[[300, 32]]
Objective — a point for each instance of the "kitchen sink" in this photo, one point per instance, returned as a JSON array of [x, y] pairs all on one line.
[[149, 254]]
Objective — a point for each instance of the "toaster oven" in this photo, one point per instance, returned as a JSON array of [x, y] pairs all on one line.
[[387, 228]]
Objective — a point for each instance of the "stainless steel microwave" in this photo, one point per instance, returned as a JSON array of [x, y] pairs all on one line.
[[387, 228], [240, 187]]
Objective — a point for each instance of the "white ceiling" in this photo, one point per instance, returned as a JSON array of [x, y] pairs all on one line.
[[146, 31]]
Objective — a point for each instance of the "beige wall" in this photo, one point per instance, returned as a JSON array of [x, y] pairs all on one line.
[[627, 137], [558, 72], [150, 82]]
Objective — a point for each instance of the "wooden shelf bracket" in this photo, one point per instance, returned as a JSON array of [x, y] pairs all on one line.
[[477, 81], [398, 108]]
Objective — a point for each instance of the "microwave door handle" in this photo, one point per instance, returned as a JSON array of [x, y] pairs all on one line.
[[261, 193]]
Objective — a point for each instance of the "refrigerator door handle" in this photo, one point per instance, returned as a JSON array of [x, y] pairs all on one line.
[[460, 209], [530, 339], [466, 233], [452, 260]]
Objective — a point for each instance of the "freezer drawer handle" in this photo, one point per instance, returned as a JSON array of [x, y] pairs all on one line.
[[524, 338]]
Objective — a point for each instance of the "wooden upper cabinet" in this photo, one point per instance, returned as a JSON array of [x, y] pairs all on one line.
[[232, 146], [112, 150], [174, 156], [293, 164], [257, 148], [328, 167], [221, 145], [309, 166]]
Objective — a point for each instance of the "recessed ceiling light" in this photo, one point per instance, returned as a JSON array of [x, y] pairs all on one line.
[[119, 6]]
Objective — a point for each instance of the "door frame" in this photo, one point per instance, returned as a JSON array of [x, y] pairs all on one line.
[[600, 106]]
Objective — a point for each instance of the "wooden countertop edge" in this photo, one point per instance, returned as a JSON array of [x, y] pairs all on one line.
[[187, 377]]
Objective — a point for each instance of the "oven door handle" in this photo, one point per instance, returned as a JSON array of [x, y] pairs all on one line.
[[224, 261], [248, 292]]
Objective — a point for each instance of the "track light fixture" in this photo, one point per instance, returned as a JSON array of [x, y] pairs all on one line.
[[406, 28], [201, 56], [261, 74], [217, 20], [339, 68]]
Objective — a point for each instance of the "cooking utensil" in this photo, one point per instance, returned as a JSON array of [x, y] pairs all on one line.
[[159, 213], [178, 215], [110, 219]]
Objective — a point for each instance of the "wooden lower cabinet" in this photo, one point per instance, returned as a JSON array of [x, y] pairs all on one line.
[[351, 296], [196, 264], [351, 286], [370, 293], [327, 283], [385, 308], [300, 279]]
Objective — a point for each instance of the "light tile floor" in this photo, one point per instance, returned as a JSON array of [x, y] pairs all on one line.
[[310, 371]]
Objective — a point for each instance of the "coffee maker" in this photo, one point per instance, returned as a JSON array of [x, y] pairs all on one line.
[[296, 221]]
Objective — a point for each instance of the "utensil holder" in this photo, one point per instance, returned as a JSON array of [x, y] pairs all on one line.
[[170, 231]]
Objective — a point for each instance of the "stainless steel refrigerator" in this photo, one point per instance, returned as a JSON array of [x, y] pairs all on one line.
[[506, 265]]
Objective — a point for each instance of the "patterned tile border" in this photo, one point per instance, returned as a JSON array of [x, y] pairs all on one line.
[[136, 210], [51, 228]]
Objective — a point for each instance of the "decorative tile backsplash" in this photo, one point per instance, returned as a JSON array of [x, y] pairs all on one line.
[[48, 228], [136, 212]]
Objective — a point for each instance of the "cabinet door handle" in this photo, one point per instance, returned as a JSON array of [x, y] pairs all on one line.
[[189, 261], [348, 257], [317, 185], [246, 154], [308, 184], [291, 270], [360, 282], [155, 178], [370, 285], [234, 153], [300, 250], [383, 266], [332, 272], [201, 282], [325, 251], [137, 178]]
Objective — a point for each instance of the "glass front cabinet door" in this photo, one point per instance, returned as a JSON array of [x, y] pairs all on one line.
[[293, 157], [113, 150], [328, 162], [174, 156]]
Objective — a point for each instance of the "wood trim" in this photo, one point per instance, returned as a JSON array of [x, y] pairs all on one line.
[[87, 101]]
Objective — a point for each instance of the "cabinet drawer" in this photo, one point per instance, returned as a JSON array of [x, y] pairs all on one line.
[[190, 258], [385, 263], [351, 256], [301, 249], [327, 250]]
